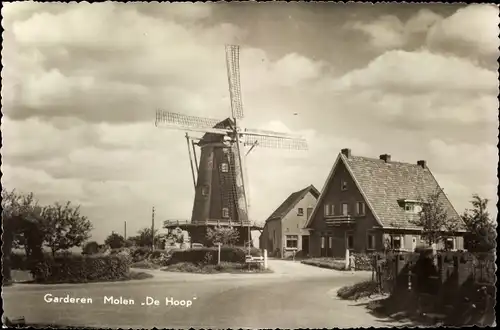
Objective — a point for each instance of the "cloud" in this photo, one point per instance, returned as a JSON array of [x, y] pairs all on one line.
[[471, 31], [419, 72], [79, 104], [386, 32]]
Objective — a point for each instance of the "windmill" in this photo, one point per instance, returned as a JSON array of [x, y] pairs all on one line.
[[221, 194]]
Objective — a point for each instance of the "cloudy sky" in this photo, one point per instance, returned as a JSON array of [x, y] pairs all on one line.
[[81, 83]]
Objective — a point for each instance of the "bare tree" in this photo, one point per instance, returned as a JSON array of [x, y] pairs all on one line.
[[434, 220]]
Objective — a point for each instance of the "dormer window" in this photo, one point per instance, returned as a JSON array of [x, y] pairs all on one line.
[[300, 211], [411, 206], [225, 212]]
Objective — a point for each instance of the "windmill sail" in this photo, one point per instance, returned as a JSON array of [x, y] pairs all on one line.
[[233, 76]]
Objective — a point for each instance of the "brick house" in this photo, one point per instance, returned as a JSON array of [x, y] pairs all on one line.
[[369, 203], [284, 233]]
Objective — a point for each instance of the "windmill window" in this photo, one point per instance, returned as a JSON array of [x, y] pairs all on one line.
[[300, 211], [225, 212], [205, 190], [224, 167]]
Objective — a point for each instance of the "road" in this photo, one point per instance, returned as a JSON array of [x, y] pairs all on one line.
[[294, 296]]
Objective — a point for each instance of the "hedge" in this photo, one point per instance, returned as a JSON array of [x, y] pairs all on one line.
[[209, 255], [19, 261], [81, 269]]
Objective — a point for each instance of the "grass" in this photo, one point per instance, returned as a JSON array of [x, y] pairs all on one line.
[[22, 276], [329, 263], [144, 264], [358, 290], [224, 267]]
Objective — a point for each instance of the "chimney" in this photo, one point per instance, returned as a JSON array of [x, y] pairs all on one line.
[[346, 152], [422, 163], [386, 158]]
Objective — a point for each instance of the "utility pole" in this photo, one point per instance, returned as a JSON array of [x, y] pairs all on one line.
[[125, 230], [153, 229]]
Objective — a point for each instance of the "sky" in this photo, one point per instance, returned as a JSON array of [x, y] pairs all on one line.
[[81, 84]]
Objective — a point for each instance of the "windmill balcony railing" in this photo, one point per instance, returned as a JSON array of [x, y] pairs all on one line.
[[210, 222], [337, 220]]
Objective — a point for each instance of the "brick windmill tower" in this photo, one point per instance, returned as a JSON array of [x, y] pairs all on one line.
[[221, 197]]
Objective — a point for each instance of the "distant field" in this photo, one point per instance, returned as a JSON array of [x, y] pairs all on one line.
[[21, 276]]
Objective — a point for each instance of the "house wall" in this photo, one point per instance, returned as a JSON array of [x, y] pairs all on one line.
[[408, 237], [362, 224], [272, 237], [293, 224]]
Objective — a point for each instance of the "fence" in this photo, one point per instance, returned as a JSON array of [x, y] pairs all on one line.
[[445, 275]]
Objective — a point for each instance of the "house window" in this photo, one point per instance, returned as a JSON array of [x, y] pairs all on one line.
[[224, 167], [329, 209], [322, 242], [345, 209], [449, 244], [350, 241], [343, 185], [291, 241], [300, 211], [360, 208], [371, 242], [225, 212], [396, 242], [204, 190]]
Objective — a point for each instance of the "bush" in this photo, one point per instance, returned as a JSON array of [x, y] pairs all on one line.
[[145, 264], [81, 269], [326, 263], [363, 261], [358, 290], [210, 255], [90, 248], [140, 253], [19, 261]]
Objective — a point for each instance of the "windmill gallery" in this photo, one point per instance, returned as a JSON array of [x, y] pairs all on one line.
[[219, 177]]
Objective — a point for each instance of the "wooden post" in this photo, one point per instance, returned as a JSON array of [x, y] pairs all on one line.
[[218, 253], [265, 259], [346, 259]]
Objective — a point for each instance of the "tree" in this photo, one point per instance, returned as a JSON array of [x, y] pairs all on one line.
[[434, 219], [482, 231], [115, 241], [18, 207], [64, 227], [224, 235], [91, 247], [176, 236], [145, 238]]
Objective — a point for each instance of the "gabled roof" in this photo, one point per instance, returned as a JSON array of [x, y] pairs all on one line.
[[384, 184], [291, 201]]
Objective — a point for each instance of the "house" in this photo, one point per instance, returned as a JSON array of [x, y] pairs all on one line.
[[368, 204], [284, 234]]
